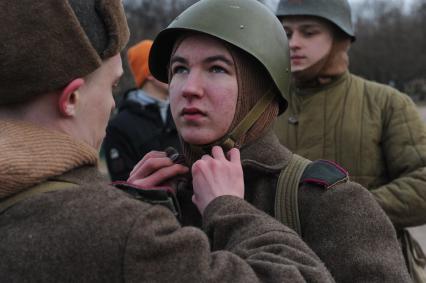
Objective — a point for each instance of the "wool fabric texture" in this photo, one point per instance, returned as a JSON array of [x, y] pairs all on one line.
[[137, 56], [45, 44], [30, 155]]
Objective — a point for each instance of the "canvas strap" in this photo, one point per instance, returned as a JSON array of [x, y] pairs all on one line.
[[229, 141], [286, 204], [48, 186]]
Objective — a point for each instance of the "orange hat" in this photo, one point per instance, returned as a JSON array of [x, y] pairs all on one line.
[[137, 56]]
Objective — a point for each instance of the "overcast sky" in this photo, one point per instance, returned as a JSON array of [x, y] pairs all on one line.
[[273, 3]]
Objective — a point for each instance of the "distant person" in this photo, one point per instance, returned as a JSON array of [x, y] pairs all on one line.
[[371, 129], [225, 63], [143, 122], [60, 221]]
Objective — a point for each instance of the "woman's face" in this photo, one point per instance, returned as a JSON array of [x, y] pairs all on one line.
[[203, 89], [310, 40]]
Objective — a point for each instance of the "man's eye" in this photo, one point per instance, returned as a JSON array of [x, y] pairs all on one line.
[[310, 32]]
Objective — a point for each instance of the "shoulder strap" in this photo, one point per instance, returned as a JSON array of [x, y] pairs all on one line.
[[286, 207], [48, 186]]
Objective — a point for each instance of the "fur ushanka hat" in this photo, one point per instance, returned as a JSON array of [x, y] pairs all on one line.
[[45, 44]]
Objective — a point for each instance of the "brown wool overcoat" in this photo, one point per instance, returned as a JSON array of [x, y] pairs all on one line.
[[344, 225], [96, 233], [93, 232]]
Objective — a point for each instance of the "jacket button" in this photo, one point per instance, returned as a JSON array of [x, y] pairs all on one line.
[[293, 120]]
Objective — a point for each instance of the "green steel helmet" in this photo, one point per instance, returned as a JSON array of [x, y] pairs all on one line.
[[336, 11], [246, 24]]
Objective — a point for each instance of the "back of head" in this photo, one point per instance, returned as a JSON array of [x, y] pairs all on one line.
[[45, 44], [337, 12], [137, 56]]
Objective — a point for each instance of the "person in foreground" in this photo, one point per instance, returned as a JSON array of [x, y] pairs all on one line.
[[372, 130], [59, 219], [228, 77]]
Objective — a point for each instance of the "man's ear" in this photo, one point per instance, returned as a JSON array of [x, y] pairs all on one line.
[[68, 98]]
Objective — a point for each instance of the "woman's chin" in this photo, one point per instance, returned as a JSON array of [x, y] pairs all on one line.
[[198, 139]]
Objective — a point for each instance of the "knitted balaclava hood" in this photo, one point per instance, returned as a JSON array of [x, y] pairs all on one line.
[[253, 82], [45, 44]]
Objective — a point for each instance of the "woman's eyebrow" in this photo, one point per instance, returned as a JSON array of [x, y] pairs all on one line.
[[178, 59], [219, 58]]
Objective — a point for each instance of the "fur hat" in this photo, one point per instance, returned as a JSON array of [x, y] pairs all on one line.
[[138, 60], [45, 44]]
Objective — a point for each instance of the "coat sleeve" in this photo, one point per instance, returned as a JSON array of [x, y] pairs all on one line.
[[240, 244], [348, 230], [404, 146]]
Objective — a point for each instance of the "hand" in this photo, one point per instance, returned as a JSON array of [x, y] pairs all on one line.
[[155, 169], [216, 175]]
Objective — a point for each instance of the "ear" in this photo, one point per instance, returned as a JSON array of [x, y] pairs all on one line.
[[69, 97]]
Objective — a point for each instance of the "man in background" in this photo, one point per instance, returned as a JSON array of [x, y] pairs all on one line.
[[143, 122]]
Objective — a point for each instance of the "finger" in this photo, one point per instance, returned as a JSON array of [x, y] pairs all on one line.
[[217, 153], [149, 166], [151, 154], [234, 155], [162, 175], [194, 200], [206, 157]]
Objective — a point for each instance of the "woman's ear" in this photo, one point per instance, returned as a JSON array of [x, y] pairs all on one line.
[[68, 98]]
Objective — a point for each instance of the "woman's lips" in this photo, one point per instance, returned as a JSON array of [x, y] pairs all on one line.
[[192, 113]]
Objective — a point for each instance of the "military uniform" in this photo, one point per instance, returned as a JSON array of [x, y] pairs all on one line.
[[339, 219], [341, 223], [373, 131], [93, 232]]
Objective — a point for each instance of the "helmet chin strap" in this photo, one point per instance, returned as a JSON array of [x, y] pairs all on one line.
[[230, 140]]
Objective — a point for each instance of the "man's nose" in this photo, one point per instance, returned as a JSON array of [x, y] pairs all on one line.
[[295, 40]]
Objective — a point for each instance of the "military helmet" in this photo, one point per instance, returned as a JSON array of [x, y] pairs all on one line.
[[336, 11], [246, 24]]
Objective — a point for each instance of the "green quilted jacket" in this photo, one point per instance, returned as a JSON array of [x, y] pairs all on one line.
[[372, 130]]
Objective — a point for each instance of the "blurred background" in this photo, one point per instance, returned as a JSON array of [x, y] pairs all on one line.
[[390, 46]]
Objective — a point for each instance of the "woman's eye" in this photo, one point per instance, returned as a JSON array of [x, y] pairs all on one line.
[[179, 70], [217, 69]]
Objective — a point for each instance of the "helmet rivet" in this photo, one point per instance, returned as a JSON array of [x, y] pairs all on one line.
[[242, 27]]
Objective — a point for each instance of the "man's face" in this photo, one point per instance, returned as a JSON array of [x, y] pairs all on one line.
[[96, 101], [310, 41], [203, 89]]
